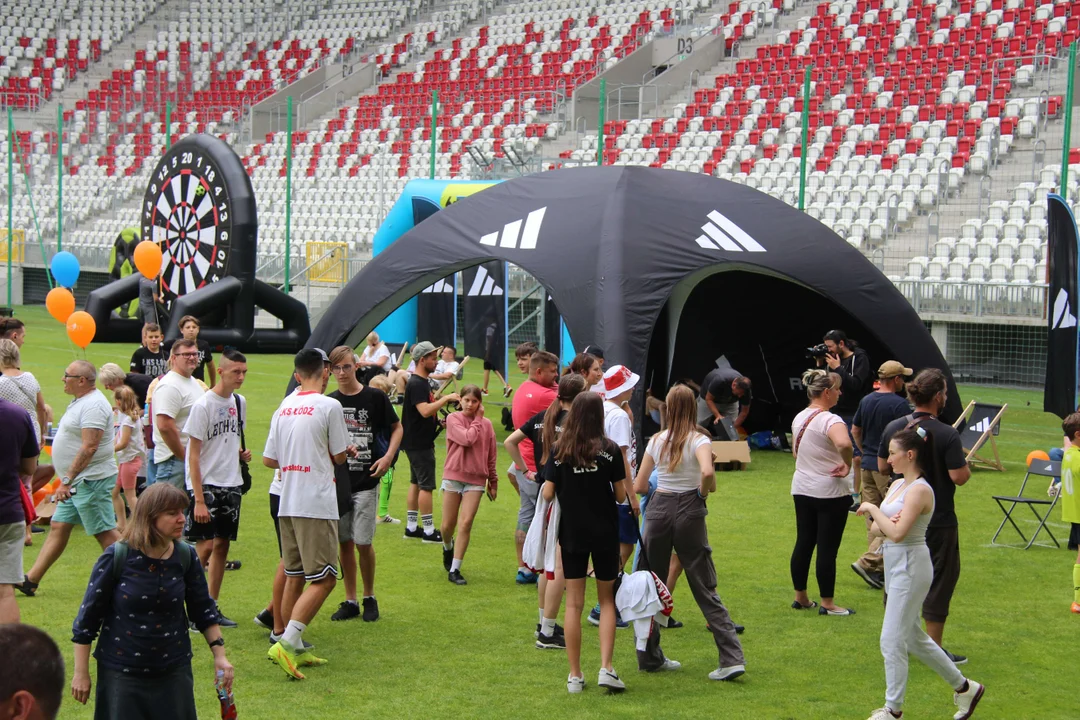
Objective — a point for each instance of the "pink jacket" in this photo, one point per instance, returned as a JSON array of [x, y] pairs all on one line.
[[470, 450]]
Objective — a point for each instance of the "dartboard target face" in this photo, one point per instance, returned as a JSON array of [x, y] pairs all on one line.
[[188, 212]]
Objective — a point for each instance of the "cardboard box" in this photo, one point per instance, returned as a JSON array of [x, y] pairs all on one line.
[[731, 455]]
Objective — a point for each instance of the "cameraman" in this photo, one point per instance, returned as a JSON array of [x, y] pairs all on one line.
[[852, 364]]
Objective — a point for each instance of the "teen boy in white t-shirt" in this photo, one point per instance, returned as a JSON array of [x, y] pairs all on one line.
[[306, 434], [213, 470]]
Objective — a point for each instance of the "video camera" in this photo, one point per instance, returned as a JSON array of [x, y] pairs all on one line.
[[817, 352]]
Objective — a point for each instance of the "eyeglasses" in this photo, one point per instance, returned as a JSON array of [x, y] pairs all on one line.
[[342, 368], [75, 377], [187, 355]]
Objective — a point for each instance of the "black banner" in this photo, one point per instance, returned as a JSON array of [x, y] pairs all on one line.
[[1059, 395], [552, 328], [485, 313], [436, 313]]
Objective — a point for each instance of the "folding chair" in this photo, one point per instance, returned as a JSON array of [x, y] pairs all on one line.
[[447, 383], [978, 423], [396, 357], [1041, 468]]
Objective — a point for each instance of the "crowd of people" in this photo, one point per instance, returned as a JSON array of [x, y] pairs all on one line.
[[166, 460]]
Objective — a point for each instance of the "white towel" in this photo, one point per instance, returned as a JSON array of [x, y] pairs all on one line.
[[541, 542]]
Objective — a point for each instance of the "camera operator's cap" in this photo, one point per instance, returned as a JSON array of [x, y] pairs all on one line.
[[322, 354], [891, 369], [617, 380], [594, 350], [421, 350]]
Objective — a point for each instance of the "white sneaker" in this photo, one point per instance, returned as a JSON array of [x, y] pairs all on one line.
[[608, 679], [967, 701], [727, 673], [882, 714], [669, 664], [387, 520], [575, 685]]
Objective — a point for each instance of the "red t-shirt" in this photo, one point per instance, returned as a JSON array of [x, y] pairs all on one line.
[[529, 399]]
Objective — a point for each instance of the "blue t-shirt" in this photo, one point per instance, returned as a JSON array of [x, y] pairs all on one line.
[[19, 442], [875, 412]]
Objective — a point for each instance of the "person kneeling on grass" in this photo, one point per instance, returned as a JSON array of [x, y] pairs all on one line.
[[902, 520], [470, 464], [586, 474]]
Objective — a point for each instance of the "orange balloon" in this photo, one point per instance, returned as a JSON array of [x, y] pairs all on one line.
[[60, 303], [1037, 455], [81, 328], [148, 259]]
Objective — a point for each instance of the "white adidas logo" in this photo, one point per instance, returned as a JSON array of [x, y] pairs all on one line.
[[511, 231], [722, 234], [1063, 317], [483, 284], [981, 426], [440, 287]]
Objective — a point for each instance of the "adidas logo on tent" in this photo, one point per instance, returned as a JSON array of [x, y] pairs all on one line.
[[981, 426], [508, 238], [722, 234], [440, 287], [1063, 317], [483, 284]]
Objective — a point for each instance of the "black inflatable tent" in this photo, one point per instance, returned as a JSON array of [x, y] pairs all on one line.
[[665, 270]]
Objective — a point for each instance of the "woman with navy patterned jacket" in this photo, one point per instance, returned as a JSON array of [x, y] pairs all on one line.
[[144, 651]]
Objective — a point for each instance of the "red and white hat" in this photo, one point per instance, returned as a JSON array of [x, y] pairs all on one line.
[[617, 380]]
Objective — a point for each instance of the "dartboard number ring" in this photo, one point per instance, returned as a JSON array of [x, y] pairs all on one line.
[[186, 211]]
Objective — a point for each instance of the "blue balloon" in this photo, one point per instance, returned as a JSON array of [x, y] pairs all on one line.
[[65, 269]]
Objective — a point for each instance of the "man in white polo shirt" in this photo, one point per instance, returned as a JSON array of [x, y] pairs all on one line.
[[306, 434]]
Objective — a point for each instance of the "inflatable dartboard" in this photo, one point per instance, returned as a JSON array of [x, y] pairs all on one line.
[[200, 208]]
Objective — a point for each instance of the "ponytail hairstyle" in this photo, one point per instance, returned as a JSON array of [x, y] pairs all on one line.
[[817, 381], [582, 437], [918, 439], [570, 386], [582, 363], [839, 336], [127, 403], [681, 425]]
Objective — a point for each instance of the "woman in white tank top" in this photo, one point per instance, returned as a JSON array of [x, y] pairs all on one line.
[[901, 520]]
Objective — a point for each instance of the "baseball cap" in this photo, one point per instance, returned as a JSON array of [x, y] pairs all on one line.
[[421, 350], [891, 369], [322, 354], [594, 350], [617, 380]]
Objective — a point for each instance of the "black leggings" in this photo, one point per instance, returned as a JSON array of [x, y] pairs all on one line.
[[819, 522]]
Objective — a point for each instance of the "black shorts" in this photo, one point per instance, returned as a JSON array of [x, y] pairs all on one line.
[[944, 544], [605, 562], [275, 503], [489, 366], [1074, 536], [224, 507], [422, 468]]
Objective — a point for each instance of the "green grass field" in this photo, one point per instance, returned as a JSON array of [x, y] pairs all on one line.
[[446, 651]]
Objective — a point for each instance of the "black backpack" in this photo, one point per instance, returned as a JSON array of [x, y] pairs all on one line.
[[120, 555]]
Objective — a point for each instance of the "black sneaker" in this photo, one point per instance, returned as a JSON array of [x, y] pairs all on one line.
[[26, 587], [870, 578], [346, 611], [557, 632], [956, 659], [674, 624], [455, 577], [233, 564], [550, 642], [224, 621], [371, 609], [413, 534], [739, 629], [447, 558], [433, 538], [265, 619]]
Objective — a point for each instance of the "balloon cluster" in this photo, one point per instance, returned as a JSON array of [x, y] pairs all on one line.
[[60, 302]]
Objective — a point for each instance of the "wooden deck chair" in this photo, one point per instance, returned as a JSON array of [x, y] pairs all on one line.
[[452, 382], [978, 424], [397, 354]]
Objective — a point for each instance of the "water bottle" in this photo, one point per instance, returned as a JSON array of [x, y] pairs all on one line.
[[228, 703]]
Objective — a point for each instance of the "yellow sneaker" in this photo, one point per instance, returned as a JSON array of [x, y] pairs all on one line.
[[285, 659], [308, 659]]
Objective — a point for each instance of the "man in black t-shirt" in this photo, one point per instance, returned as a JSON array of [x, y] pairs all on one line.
[[368, 416], [928, 392], [725, 392], [150, 359], [189, 326], [419, 420]]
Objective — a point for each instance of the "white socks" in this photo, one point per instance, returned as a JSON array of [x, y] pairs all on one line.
[[455, 565], [410, 519], [547, 627], [429, 524], [291, 636]]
